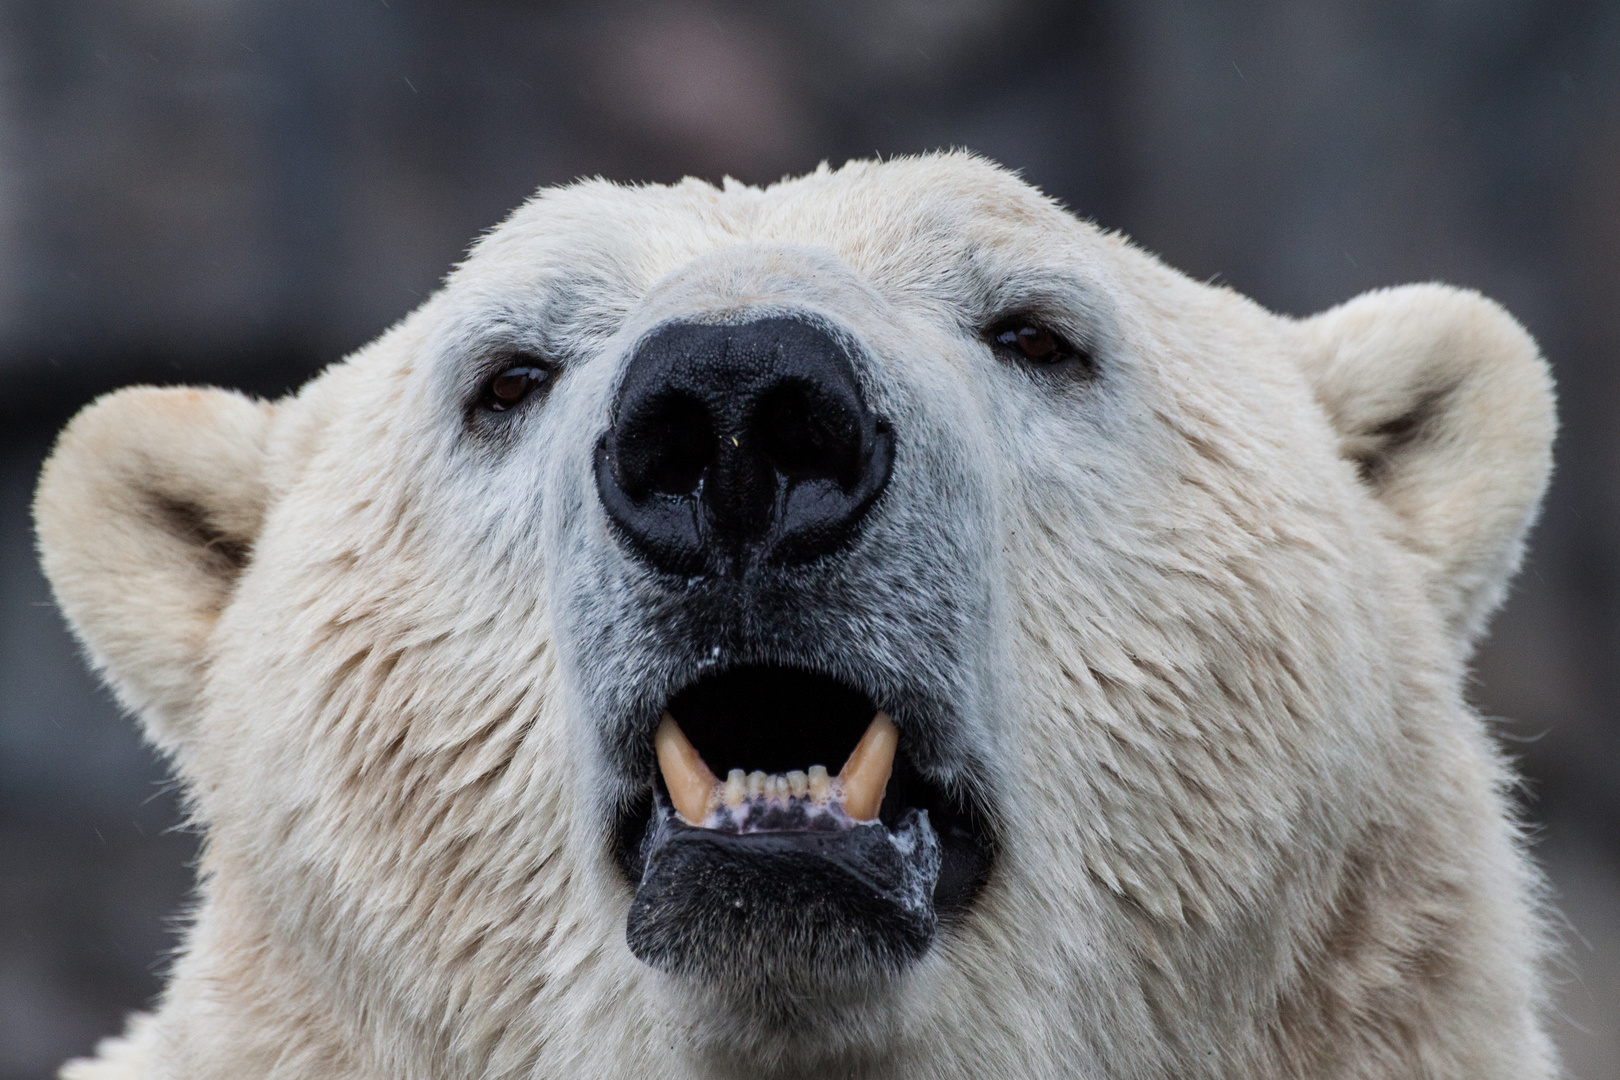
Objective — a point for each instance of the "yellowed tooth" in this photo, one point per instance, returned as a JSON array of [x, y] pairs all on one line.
[[756, 784], [690, 782], [736, 788], [798, 784], [865, 775], [819, 784]]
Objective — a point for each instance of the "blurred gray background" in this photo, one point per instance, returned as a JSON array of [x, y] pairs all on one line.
[[239, 193]]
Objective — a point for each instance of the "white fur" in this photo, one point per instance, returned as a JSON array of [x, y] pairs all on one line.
[[1213, 611]]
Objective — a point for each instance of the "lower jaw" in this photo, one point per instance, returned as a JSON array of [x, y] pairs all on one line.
[[802, 979], [785, 899], [773, 920], [789, 913]]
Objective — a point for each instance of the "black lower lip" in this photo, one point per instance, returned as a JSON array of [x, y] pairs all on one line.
[[967, 850], [786, 909]]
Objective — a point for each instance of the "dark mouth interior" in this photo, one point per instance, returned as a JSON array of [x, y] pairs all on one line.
[[772, 719]]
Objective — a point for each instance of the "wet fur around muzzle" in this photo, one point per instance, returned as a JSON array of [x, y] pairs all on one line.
[[899, 614]]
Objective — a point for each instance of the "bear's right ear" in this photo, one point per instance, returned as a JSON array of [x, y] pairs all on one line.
[[147, 510]]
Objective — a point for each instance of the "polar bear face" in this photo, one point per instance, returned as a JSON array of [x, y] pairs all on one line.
[[876, 622]]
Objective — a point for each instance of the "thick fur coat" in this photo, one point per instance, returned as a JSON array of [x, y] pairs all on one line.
[[1190, 621]]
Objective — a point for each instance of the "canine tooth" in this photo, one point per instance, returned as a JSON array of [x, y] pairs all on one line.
[[798, 784], [736, 789], [690, 782], [866, 774], [756, 784], [820, 784]]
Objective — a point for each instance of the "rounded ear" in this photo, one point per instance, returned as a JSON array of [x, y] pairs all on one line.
[[146, 512], [1445, 406]]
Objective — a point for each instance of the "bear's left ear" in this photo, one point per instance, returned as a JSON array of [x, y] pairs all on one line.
[[1445, 406], [147, 511]]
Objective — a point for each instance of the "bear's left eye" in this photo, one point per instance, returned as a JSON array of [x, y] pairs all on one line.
[[1024, 339], [514, 383]]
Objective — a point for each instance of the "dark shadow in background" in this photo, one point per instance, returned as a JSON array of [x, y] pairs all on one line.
[[235, 193]]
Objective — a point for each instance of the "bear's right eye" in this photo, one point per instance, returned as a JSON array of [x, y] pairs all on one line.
[[508, 388]]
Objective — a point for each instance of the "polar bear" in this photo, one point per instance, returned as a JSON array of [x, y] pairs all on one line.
[[876, 625]]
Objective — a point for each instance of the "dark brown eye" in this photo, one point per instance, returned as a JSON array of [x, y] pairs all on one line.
[[511, 386], [1031, 342]]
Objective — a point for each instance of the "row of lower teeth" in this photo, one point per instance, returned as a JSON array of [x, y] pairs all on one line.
[[816, 785], [858, 788]]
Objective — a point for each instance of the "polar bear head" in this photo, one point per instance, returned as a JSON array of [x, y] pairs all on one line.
[[873, 625]]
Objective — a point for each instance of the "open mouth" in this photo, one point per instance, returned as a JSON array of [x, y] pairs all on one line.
[[790, 829], [773, 733]]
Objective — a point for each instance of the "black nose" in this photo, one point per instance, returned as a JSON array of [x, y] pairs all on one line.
[[737, 445]]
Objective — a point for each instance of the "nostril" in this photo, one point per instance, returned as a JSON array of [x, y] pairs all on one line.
[[666, 447], [805, 435]]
